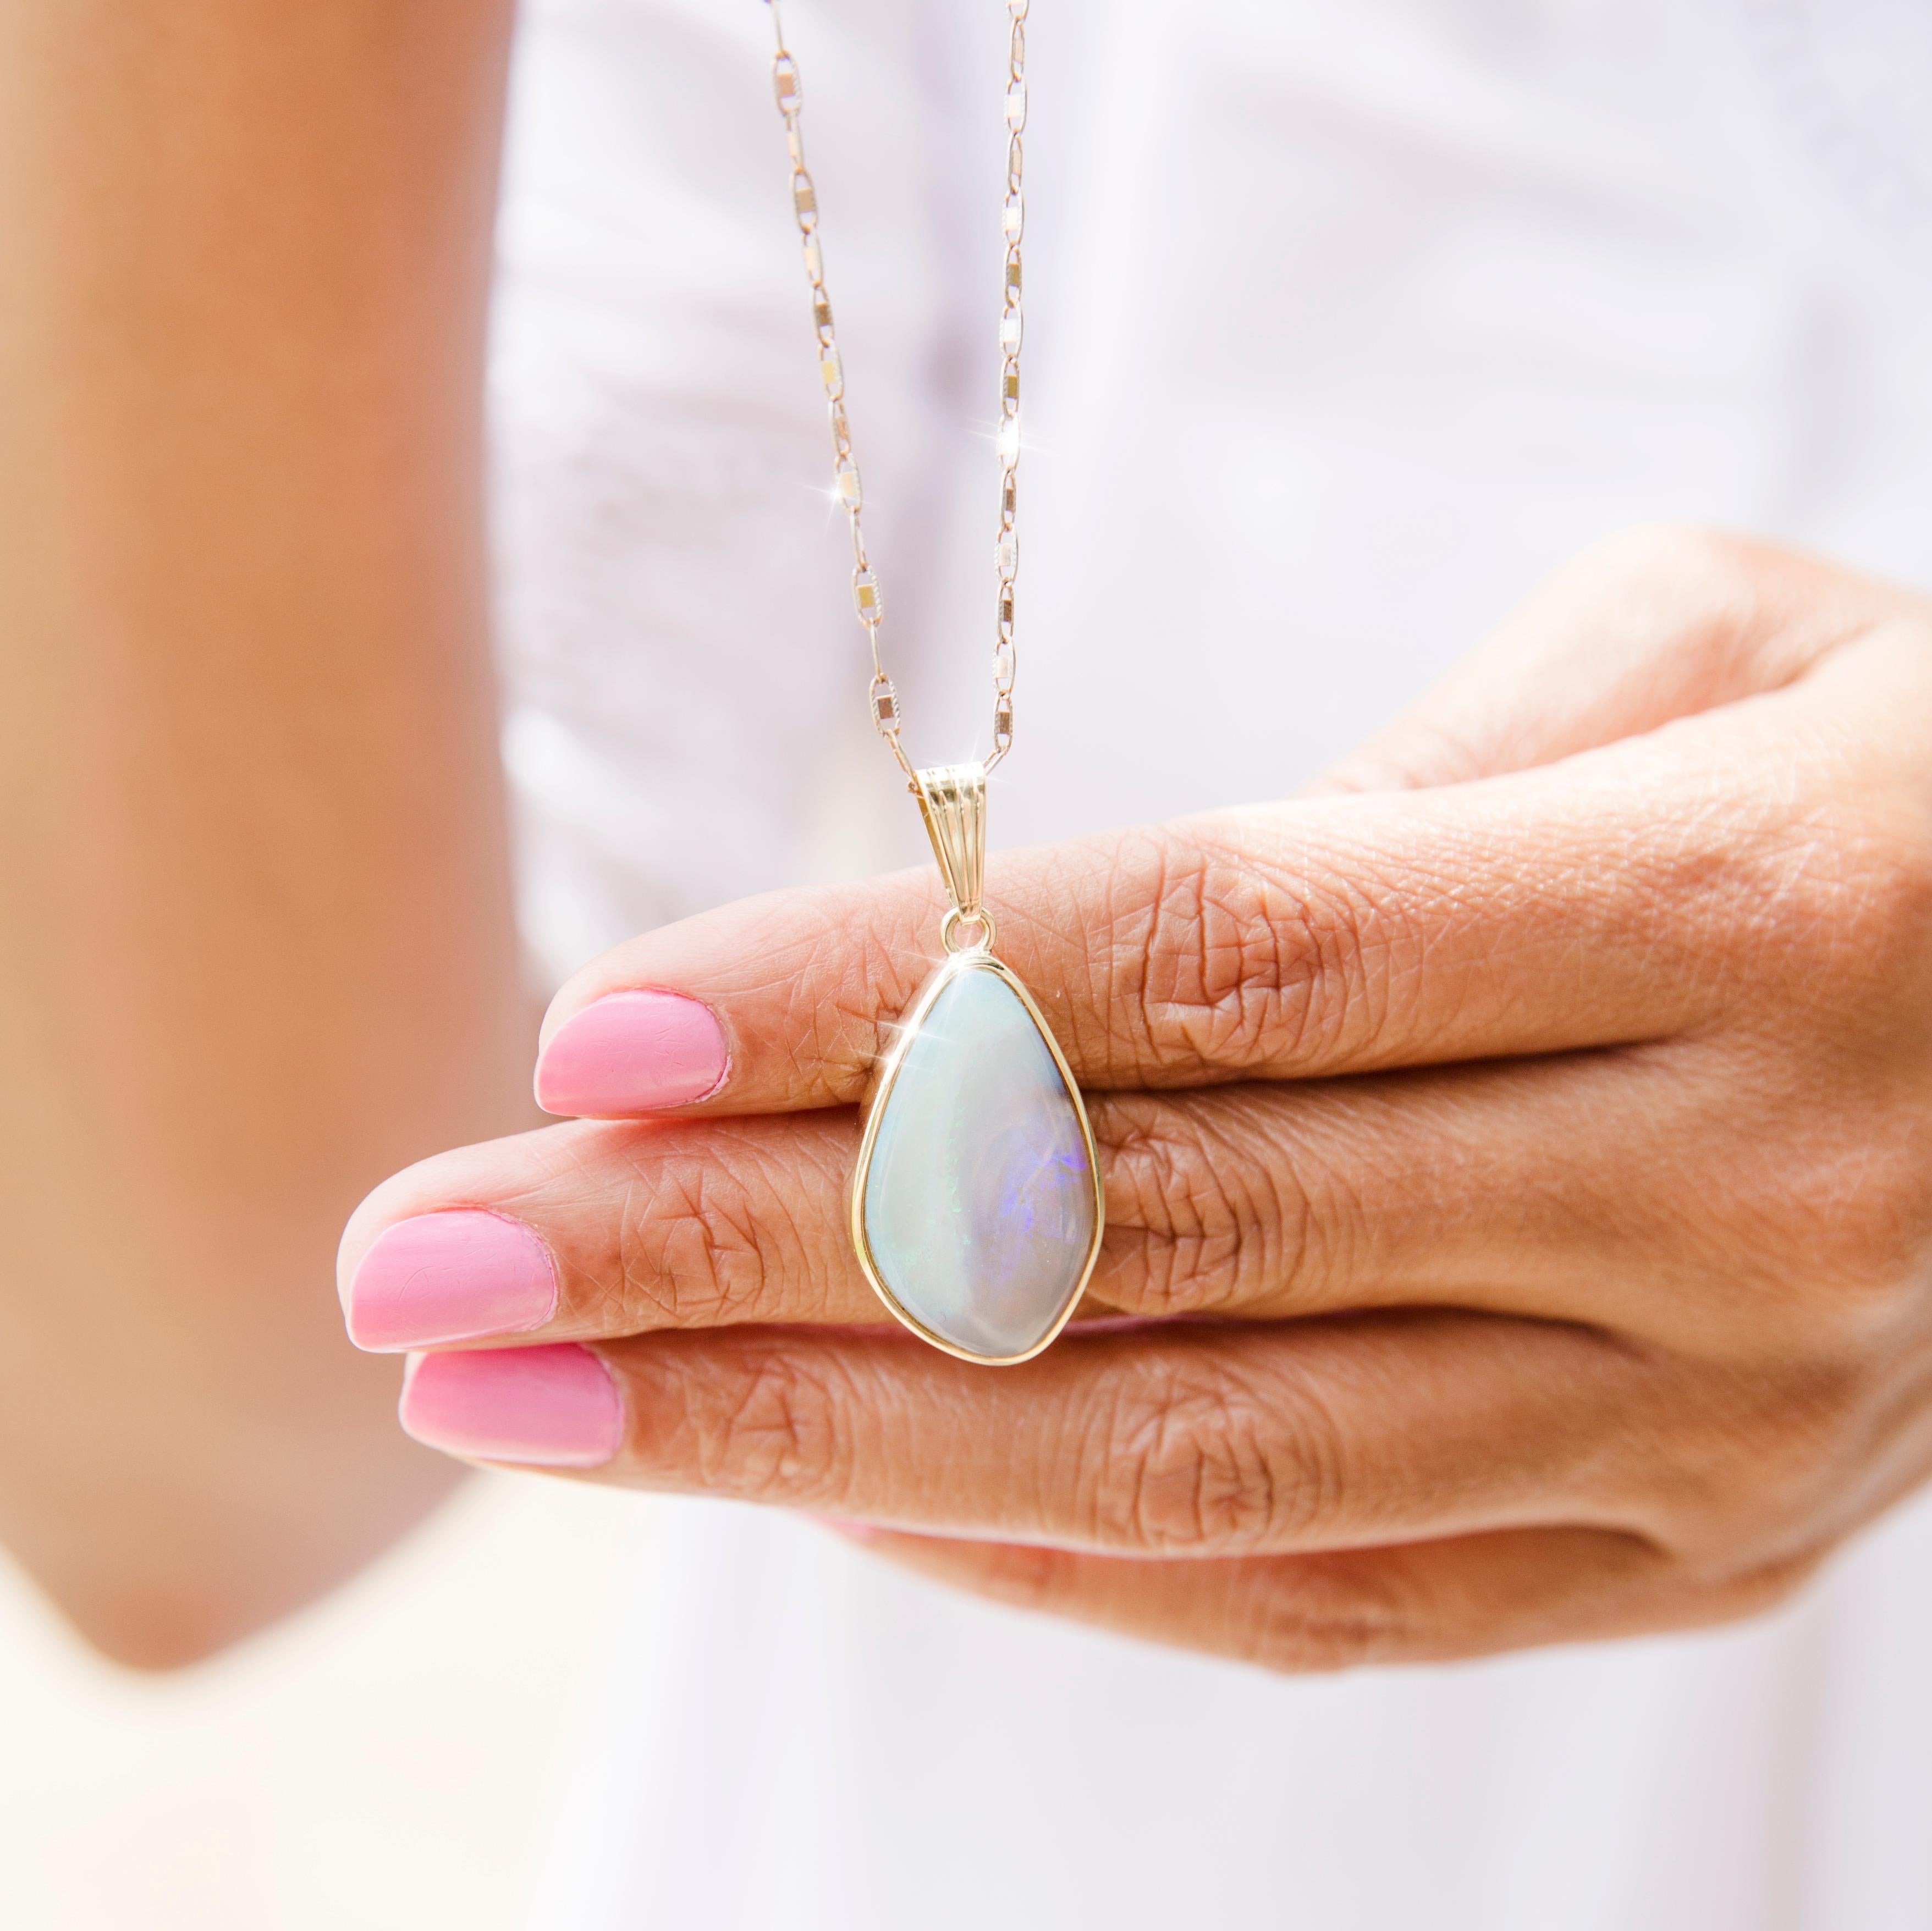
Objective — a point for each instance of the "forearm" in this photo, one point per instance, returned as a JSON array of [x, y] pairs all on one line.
[[255, 942]]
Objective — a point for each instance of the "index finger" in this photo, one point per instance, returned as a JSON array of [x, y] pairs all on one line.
[[1533, 913]]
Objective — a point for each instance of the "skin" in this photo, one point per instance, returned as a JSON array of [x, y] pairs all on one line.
[[257, 948], [1519, 1160]]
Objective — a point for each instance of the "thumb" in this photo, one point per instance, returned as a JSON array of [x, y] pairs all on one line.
[[1645, 627]]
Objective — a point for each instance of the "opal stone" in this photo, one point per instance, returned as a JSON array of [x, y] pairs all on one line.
[[979, 1203]]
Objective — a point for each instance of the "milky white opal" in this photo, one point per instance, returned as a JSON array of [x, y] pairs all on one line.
[[977, 1208]]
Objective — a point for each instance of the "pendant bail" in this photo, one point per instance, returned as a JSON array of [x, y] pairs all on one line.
[[952, 802]]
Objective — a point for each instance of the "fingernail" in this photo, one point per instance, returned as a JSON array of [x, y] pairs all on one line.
[[631, 1052], [450, 1277], [557, 1408]]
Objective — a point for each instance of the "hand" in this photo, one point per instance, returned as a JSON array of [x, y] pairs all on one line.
[[1523, 1178]]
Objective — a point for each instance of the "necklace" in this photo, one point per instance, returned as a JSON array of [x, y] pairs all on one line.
[[976, 1207]]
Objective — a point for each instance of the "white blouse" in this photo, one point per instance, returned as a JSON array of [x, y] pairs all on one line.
[[1344, 324]]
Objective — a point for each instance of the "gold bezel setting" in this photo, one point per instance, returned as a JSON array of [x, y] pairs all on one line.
[[956, 964]]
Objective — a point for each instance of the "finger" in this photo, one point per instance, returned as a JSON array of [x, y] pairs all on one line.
[[592, 1229], [1430, 1602], [1531, 914], [1439, 1188], [1452, 1187], [1203, 1442], [1442, 1188], [1651, 625]]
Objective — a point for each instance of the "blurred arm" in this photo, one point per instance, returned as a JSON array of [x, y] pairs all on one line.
[[255, 940]]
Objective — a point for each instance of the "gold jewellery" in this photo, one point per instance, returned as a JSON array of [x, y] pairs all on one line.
[[976, 1205]]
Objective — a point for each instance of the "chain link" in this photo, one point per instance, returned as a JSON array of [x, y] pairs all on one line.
[[867, 597]]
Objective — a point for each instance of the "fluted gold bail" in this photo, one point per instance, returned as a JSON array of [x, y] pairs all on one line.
[[952, 800]]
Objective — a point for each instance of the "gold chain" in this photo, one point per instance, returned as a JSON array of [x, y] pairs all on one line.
[[866, 597]]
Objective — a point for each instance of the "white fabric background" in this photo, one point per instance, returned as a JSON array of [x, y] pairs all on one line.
[[1344, 324]]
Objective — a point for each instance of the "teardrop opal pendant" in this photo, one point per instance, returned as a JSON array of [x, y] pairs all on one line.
[[977, 1206]]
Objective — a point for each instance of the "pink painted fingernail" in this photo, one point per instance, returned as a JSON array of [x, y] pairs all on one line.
[[450, 1277], [556, 1407], [631, 1052]]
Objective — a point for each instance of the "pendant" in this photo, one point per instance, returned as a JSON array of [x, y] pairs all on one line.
[[976, 1205]]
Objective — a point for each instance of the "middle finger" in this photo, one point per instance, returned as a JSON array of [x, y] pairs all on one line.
[[1460, 1187]]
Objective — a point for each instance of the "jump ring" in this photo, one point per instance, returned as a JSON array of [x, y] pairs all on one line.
[[949, 930]]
